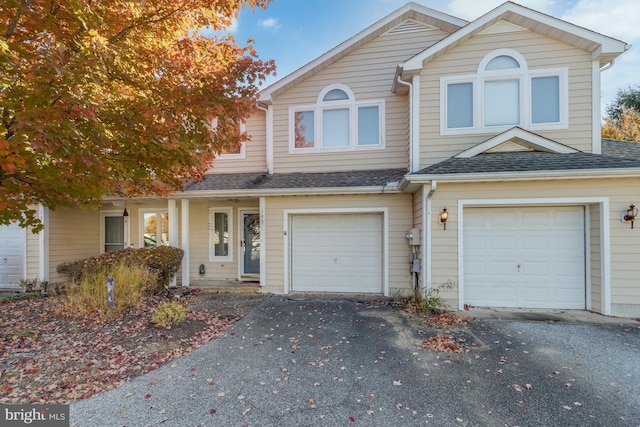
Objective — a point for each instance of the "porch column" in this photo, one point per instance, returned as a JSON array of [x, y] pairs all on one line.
[[173, 229], [263, 252], [43, 245], [184, 203]]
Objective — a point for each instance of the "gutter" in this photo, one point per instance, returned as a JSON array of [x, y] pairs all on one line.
[[195, 194], [521, 176]]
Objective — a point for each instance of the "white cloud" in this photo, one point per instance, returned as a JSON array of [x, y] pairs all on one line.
[[472, 9], [619, 19], [269, 23]]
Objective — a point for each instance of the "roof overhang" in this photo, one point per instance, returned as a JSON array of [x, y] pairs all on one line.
[[412, 182], [410, 10], [603, 49]]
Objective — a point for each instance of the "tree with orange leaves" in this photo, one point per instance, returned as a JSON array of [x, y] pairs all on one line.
[[117, 97]]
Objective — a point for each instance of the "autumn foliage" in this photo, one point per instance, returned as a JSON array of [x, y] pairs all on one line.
[[117, 97]]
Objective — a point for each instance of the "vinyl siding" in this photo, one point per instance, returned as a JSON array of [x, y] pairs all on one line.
[[255, 149], [199, 242], [368, 71], [74, 234], [624, 268], [33, 255], [400, 220], [540, 52]]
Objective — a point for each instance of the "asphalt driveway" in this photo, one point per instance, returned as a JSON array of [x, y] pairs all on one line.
[[308, 362]]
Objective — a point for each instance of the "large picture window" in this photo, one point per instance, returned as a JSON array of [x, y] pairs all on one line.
[[220, 226], [337, 122], [504, 93]]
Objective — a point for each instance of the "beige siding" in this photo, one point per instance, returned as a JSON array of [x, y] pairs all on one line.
[[400, 220], [199, 242], [624, 249], [368, 72], [255, 157], [540, 52], [33, 255], [74, 234]]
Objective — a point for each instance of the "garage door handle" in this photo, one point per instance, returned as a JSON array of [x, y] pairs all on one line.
[[519, 265]]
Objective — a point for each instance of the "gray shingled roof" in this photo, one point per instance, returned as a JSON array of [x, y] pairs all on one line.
[[263, 181], [617, 148], [616, 155]]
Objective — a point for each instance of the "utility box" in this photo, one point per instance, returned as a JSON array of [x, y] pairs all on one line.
[[413, 236]]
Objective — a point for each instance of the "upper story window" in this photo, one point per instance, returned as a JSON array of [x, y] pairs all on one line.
[[504, 93], [337, 122], [235, 152]]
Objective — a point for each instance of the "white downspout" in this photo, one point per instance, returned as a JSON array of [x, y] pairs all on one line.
[[414, 148], [269, 136], [426, 237]]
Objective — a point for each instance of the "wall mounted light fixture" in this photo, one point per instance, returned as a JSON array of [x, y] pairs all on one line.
[[444, 215], [631, 214], [125, 213]]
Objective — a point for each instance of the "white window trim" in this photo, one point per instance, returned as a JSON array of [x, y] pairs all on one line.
[[141, 213], [235, 156], [352, 105], [212, 256], [524, 75]]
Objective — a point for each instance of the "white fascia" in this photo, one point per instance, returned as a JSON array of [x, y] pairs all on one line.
[[526, 176]]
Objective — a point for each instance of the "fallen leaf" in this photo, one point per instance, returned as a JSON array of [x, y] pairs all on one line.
[[528, 386], [147, 396], [397, 382], [353, 420], [212, 411], [153, 382]]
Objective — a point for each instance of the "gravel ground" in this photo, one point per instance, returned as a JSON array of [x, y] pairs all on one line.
[[344, 362]]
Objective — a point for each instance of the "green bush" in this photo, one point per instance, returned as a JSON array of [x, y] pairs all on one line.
[[87, 298], [164, 261], [168, 314]]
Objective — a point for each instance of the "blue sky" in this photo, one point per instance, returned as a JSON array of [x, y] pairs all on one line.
[[294, 32]]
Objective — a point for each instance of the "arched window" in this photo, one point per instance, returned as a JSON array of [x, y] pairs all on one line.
[[504, 93], [336, 122]]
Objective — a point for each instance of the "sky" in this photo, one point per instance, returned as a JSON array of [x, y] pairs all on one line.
[[295, 32]]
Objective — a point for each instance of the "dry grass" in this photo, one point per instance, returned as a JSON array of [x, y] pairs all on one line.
[[88, 298]]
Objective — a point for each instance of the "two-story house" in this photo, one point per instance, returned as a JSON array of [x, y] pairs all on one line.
[[424, 150]]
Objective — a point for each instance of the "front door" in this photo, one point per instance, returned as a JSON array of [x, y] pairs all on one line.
[[250, 245]]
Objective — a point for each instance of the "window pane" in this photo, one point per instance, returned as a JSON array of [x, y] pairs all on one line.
[[220, 234], [502, 62], [304, 129], [335, 95], [502, 102], [545, 99], [150, 229], [335, 128], [164, 230], [460, 105], [368, 126]]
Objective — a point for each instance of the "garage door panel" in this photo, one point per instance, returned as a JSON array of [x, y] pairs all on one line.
[[535, 259], [12, 248], [336, 253]]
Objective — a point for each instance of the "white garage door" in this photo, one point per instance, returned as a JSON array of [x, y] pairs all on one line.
[[336, 253], [12, 246], [531, 257]]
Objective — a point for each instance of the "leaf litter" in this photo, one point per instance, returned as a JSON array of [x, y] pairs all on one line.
[[47, 359]]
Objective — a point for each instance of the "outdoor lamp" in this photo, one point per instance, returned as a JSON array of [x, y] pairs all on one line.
[[631, 214], [444, 215]]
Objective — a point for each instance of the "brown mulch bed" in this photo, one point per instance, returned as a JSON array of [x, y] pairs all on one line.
[[47, 359]]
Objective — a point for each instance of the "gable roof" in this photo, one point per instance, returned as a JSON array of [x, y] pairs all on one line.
[[520, 137], [603, 48], [410, 11]]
